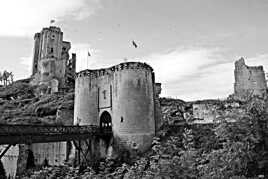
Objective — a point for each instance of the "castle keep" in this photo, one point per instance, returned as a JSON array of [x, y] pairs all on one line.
[[51, 63], [249, 80], [122, 98]]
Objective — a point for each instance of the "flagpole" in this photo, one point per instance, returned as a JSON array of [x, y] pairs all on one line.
[[87, 61]]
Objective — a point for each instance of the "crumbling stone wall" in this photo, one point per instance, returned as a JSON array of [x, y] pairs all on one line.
[[157, 109], [249, 80], [205, 112]]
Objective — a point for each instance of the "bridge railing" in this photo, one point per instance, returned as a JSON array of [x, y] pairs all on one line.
[[9, 130]]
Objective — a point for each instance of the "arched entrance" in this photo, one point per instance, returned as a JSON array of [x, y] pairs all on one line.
[[105, 121], [106, 126]]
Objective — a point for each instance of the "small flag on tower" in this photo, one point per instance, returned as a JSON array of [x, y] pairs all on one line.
[[52, 21], [134, 44]]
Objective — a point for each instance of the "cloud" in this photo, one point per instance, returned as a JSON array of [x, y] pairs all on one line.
[[192, 73], [258, 60], [25, 17], [27, 63], [197, 73], [185, 73]]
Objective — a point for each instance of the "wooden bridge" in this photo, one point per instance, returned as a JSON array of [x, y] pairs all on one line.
[[27, 134]]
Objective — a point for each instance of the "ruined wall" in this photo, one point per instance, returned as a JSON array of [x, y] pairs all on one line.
[[51, 57], [157, 109], [36, 53], [249, 80], [55, 153], [126, 92], [52, 69], [204, 113]]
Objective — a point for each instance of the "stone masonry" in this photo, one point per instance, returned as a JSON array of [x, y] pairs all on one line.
[[52, 66], [249, 80], [122, 97]]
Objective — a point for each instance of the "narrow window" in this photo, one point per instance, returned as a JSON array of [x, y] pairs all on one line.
[[104, 94], [122, 119]]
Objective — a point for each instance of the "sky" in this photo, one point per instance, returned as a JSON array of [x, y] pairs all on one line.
[[191, 44]]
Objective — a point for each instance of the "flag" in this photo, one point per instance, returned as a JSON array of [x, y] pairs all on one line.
[[134, 44], [52, 21]]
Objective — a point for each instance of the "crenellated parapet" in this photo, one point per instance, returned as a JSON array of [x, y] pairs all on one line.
[[120, 67], [52, 29]]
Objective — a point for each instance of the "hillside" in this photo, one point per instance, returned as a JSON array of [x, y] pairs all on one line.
[[21, 104]]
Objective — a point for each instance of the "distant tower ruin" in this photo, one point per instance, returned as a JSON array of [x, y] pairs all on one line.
[[249, 80], [51, 64]]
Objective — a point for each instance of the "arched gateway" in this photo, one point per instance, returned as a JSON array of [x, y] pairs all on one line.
[[106, 121]]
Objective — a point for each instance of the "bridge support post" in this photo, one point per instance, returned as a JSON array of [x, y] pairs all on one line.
[[80, 151], [4, 152]]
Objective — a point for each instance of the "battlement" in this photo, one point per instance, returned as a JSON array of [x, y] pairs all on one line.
[[52, 29], [107, 71]]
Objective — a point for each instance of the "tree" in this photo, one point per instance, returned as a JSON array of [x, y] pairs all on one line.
[[243, 150]]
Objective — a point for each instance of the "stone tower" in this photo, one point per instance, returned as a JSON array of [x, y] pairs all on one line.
[[51, 63], [121, 98], [249, 80]]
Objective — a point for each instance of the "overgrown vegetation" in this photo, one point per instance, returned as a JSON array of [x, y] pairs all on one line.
[[20, 103], [236, 150]]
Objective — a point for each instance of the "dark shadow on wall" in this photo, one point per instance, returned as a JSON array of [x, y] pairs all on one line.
[[2, 170], [30, 160], [105, 121], [106, 126]]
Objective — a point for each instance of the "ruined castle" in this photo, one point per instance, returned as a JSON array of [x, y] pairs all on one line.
[[52, 65], [249, 80], [122, 98]]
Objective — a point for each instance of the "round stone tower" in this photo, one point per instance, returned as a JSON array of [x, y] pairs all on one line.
[[120, 98]]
